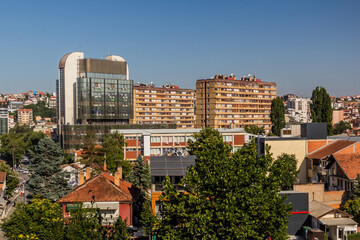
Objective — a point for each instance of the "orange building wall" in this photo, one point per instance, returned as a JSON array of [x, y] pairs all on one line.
[[239, 140]]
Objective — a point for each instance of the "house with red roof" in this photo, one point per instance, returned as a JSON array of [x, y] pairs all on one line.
[[319, 158], [111, 195], [343, 169]]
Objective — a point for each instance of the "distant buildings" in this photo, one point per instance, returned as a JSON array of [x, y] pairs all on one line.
[[298, 109], [225, 102], [4, 121], [25, 116], [168, 104]]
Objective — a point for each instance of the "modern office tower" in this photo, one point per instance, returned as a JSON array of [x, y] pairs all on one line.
[[168, 104], [225, 102], [25, 116], [4, 121], [93, 90]]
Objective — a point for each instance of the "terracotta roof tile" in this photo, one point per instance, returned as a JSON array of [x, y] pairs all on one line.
[[329, 149], [2, 176], [349, 163], [101, 189]]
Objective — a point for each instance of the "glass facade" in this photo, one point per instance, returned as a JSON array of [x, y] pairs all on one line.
[[104, 96]]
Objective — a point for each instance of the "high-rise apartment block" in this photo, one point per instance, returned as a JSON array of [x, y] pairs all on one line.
[[164, 105], [25, 116], [93, 90], [225, 102], [298, 109], [4, 121]]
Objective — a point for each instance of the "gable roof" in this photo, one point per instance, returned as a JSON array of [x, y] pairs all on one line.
[[329, 149], [318, 209], [349, 163], [102, 188]]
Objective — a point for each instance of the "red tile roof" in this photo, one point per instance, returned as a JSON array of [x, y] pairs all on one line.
[[102, 188], [349, 163], [2, 176], [329, 149]]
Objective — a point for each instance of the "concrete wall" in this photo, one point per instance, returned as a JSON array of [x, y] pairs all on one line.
[[290, 146]]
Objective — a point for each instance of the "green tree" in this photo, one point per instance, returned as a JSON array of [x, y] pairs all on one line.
[[141, 178], [355, 191], [352, 207], [12, 180], [41, 110], [253, 129], [20, 140], [147, 218], [92, 152], [140, 175], [277, 115], [284, 169], [341, 127], [41, 219], [113, 149], [47, 179], [225, 196], [321, 110]]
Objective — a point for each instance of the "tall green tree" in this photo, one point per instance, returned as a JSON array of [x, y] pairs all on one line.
[[226, 196], [321, 110], [352, 206], [47, 179], [113, 149], [92, 152], [284, 170], [12, 180], [141, 178], [277, 115], [41, 219]]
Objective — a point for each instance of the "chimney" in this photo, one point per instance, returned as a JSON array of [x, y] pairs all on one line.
[[81, 178], [105, 165], [118, 176], [88, 173]]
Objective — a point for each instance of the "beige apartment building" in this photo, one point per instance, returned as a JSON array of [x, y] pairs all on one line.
[[225, 102], [168, 104], [25, 116]]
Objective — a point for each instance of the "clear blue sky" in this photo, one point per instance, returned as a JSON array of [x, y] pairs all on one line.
[[297, 44]]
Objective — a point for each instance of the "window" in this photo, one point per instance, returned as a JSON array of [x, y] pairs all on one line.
[[228, 138], [155, 151], [155, 139]]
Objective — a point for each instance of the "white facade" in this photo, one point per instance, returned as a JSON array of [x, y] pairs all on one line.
[[67, 82], [299, 109]]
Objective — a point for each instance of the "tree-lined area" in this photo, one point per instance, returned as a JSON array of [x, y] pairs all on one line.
[[41, 110]]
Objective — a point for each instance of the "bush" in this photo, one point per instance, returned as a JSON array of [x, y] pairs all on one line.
[[355, 236]]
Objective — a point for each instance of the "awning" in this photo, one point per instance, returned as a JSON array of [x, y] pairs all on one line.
[[337, 221]]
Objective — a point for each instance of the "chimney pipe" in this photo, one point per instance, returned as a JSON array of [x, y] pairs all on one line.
[[105, 165], [119, 169], [88, 173], [81, 178]]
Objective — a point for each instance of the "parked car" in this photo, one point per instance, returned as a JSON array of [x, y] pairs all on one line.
[[26, 171]]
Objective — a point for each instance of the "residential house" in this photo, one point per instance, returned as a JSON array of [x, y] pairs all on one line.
[[113, 196], [335, 223], [343, 169]]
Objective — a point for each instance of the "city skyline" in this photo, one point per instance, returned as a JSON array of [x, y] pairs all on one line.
[[297, 45]]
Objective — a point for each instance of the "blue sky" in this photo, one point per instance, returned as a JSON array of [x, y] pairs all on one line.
[[297, 44]]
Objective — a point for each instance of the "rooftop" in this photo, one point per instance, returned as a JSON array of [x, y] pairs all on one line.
[[329, 149], [349, 163]]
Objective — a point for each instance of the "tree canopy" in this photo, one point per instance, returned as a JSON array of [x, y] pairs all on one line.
[[47, 179], [226, 196], [253, 129], [41, 110], [284, 169], [20, 140], [113, 149], [12, 180], [321, 110], [42, 219], [277, 115], [341, 127]]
